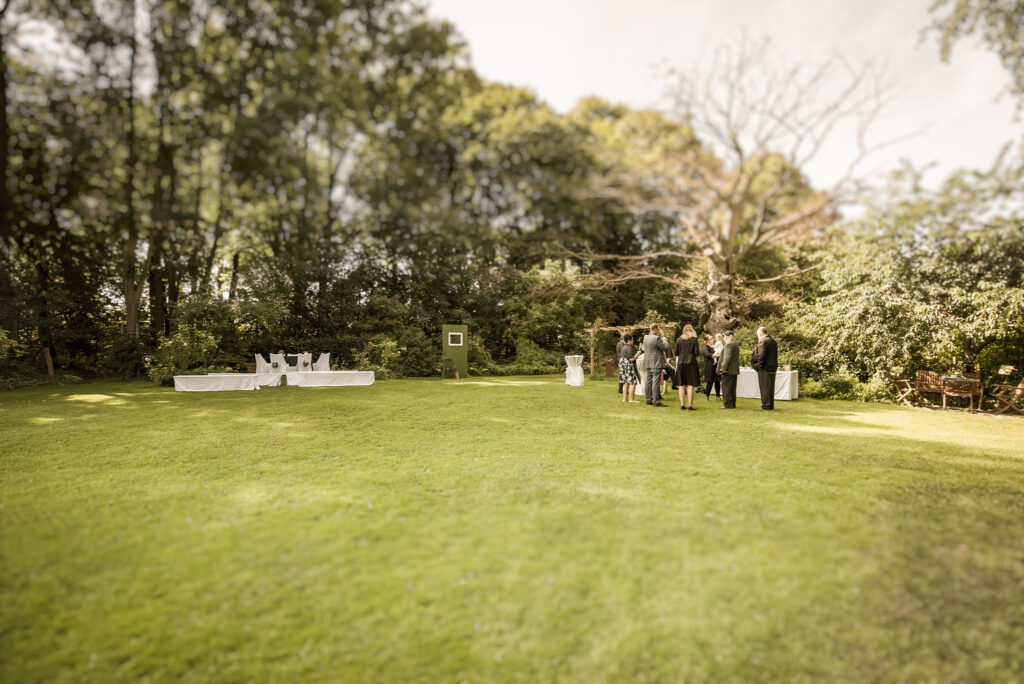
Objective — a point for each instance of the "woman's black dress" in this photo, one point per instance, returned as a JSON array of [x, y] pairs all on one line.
[[687, 372], [710, 369]]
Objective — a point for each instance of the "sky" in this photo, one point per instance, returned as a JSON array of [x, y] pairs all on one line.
[[564, 50]]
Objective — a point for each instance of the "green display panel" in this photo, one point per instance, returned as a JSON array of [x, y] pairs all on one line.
[[455, 345]]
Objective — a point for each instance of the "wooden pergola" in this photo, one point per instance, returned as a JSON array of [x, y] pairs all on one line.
[[667, 329]]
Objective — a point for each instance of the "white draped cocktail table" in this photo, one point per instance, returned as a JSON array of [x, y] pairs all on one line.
[[330, 378], [786, 385], [574, 371], [216, 383]]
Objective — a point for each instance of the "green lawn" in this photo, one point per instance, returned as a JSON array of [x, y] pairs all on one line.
[[507, 529]]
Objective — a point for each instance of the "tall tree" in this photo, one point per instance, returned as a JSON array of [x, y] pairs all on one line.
[[737, 186]]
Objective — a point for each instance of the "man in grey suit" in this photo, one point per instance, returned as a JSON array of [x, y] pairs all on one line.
[[655, 350], [729, 367]]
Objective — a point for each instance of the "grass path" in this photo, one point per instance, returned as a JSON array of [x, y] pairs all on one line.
[[506, 529]]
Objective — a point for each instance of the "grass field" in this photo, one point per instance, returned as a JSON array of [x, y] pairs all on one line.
[[507, 529]]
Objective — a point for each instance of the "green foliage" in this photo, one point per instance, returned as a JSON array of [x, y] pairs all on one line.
[[242, 327], [9, 347], [382, 355], [999, 24], [189, 351], [122, 357]]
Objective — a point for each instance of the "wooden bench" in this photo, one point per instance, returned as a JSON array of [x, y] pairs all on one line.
[[932, 382], [967, 387]]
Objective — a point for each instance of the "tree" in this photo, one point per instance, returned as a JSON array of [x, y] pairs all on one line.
[[934, 279], [735, 185], [1000, 24]]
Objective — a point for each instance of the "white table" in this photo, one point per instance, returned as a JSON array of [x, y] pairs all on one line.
[[786, 385], [215, 383], [331, 378], [271, 379], [574, 371]]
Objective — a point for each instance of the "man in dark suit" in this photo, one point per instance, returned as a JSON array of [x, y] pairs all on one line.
[[765, 360], [655, 350], [729, 368]]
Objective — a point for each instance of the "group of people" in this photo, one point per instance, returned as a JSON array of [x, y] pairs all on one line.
[[649, 364]]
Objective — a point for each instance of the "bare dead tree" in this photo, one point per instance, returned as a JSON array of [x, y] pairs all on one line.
[[739, 187]]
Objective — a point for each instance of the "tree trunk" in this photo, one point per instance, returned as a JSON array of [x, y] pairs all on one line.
[[720, 294], [49, 362], [132, 288], [172, 298], [157, 292], [233, 289], [43, 326], [6, 231]]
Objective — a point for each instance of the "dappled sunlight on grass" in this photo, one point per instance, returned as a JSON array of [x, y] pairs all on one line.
[[107, 399], [496, 382], [617, 493], [44, 420]]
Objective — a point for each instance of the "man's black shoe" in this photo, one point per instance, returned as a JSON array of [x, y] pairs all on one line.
[[660, 405]]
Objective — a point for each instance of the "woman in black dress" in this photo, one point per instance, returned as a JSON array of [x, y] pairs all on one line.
[[687, 373], [710, 369]]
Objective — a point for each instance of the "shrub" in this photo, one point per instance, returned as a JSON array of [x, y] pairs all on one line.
[[122, 357], [812, 389], [9, 347], [187, 351], [382, 355], [874, 390], [420, 355], [839, 385]]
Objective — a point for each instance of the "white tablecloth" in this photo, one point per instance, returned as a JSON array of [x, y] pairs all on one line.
[[786, 385], [262, 379], [331, 378], [215, 383], [574, 372]]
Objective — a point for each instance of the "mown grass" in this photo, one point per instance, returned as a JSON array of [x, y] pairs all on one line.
[[510, 529]]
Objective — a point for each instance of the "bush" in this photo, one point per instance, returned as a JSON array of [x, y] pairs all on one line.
[[122, 357], [188, 351], [812, 389], [15, 373], [839, 385], [420, 355], [845, 385], [382, 355], [530, 360], [875, 390]]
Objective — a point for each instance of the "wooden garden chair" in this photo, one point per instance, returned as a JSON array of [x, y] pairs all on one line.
[[1011, 397], [906, 390]]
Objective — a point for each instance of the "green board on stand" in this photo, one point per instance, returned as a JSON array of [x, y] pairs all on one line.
[[455, 346]]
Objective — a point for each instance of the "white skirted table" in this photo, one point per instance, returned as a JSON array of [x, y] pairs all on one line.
[[330, 378], [786, 385], [574, 371], [216, 383], [262, 379]]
